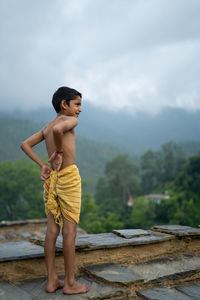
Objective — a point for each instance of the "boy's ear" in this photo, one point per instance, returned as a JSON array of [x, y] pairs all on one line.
[[63, 104]]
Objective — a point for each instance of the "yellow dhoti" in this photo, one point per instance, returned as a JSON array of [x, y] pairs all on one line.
[[62, 195]]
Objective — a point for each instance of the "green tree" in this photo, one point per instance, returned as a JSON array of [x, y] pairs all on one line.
[[159, 168], [143, 213], [113, 191], [172, 161], [120, 181], [9, 190], [21, 191], [188, 179], [183, 207], [89, 220], [150, 168]]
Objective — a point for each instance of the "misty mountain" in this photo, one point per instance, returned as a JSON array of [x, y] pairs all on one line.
[[130, 133]]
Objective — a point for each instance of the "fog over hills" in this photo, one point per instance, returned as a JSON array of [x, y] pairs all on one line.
[[131, 133]]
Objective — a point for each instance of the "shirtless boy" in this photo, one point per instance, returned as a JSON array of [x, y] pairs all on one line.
[[62, 188]]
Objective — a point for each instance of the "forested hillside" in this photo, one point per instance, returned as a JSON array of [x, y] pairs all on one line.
[[13, 132]]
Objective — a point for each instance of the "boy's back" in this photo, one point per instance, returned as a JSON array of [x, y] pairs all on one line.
[[68, 141]]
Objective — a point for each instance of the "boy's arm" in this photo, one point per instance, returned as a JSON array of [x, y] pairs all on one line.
[[27, 145]]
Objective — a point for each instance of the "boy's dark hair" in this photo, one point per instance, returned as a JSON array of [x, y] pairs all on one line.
[[64, 93]]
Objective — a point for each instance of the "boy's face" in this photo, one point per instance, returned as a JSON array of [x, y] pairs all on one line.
[[74, 108]]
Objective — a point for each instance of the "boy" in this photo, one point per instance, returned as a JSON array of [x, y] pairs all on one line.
[[62, 188]]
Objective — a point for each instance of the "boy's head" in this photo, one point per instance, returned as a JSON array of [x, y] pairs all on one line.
[[64, 93]]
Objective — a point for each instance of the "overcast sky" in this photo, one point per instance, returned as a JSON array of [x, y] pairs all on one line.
[[134, 55]]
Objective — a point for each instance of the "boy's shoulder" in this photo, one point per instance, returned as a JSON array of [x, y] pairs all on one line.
[[49, 126], [65, 119]]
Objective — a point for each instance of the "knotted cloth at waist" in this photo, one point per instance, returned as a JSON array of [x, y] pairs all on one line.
[[62, 194]]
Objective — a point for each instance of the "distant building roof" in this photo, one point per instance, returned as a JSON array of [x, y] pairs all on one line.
[[157, 197]]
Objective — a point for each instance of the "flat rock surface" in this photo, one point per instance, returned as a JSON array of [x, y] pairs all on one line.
[[177, 230], [130, 233], [98, 290], [163, 293], [167, 268], [158, 270], [109, 240], [24, 234], [33, 286], [9, 291], [113, 273], [192, 290], [19, 250], [80, 242]]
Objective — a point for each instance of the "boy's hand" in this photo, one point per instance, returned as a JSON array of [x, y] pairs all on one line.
[[56, 160], [45, 172]]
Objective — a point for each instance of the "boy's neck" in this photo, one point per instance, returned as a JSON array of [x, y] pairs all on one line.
[[61, 114]]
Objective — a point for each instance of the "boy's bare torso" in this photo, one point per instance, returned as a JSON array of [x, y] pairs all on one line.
[[68, 142]]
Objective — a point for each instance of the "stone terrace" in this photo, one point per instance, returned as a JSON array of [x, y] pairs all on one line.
[[162, 263]]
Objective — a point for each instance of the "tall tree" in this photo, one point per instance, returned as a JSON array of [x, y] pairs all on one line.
[[21, 191], [159, 168], [120, 181]]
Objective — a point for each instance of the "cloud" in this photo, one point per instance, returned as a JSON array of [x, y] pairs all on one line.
[[132, 55]]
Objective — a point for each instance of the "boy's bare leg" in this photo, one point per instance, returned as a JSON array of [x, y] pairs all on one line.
[[49, 249], [70, 285]]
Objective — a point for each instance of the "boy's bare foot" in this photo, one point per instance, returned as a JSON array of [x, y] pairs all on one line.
[[76, 288], [53, 286]]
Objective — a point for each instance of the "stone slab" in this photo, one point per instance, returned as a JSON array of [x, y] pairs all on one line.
[[9, 291], [107, 240], [19, 250], [112, 273], [170, 267], [14, 223], [80, 242], [98, 290], [24, 234], [177, 230], [130, 233], [11, 235], [163, 293], [33, 286], [192, 290], [110, 240]]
